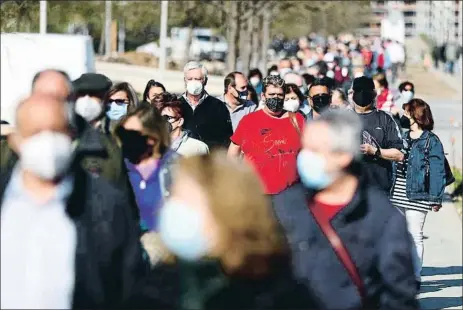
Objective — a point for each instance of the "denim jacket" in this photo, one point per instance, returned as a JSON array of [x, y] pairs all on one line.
[[416, 169]]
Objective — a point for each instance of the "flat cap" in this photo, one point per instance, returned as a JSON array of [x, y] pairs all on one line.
[[363, 83], [92, 83]]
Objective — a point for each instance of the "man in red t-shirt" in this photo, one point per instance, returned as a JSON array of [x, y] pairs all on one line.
[[270, 139]]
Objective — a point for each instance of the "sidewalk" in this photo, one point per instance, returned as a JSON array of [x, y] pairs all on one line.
[[442, 279]]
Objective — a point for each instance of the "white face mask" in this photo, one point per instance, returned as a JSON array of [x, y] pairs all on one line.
[[194, 87], [291, 105], [88, 108], [330, 74], [47, 154], [254, 81], [407, 95]]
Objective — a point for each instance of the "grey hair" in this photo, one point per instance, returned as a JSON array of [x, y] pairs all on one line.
[[195, 65], [345, 131]]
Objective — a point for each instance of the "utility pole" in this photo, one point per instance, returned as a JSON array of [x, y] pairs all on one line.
[[265, 40], [43, 17], [163, 38], [108, 9], [121, 32]]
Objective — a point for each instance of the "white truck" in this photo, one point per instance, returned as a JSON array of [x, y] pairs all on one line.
[[24, 54]]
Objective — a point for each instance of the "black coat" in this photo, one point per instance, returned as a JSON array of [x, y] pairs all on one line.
[[375, 235], [210, 122], [204, 285], [108, 254]]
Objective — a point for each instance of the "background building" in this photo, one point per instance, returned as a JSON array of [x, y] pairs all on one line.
[[441, 21]]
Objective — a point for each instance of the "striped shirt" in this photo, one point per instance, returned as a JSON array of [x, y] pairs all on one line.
[[399, 192]]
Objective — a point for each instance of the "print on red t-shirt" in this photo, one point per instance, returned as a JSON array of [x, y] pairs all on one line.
[[271, 145]]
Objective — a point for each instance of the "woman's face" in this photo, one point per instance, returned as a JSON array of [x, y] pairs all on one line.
[[292, 96], [377, 86], [155, 93], [172, 117], [120, 97], [336, 100], [133, 123], [187, 191]]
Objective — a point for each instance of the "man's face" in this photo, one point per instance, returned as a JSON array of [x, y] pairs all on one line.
[[316, 93], [317, 139], [194, 75], [274, 92], [52, 84], [241, 83]]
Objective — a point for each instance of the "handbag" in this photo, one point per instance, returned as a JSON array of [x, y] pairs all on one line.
[[449, 178], [343, 255]]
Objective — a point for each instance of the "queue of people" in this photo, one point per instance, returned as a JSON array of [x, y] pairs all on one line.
[[203, 202]]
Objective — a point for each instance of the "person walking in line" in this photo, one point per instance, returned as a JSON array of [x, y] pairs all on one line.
[[206, 117], [420, 178]]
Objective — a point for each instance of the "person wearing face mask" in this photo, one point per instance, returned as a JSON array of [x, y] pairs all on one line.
[[255, 77], [342, 228], [220, 248], [294, 78], [90, 90], [100, 156], [206, 117], [382, 140], [293, 99], [144, 139], [407, 91], [182, 143], [153, 93], [269, 138], [120, 99], [50, 208], [236, 97], [319, 98], [416, 193]]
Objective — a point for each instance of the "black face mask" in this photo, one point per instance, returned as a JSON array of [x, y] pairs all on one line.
[[275, 104], [134, 144], [363, 98], [405, 122], [321, 102]]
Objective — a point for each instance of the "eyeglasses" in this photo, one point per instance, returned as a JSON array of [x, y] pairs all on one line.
[[118, 101]]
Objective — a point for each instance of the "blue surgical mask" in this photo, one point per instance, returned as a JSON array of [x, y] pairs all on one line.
[[116, 111], [312, 170], [181, 230]]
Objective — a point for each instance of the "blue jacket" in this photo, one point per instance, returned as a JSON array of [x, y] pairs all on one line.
[[373, 232], [416, 169]]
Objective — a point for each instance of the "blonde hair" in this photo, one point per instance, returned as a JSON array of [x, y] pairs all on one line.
[[250, 237]]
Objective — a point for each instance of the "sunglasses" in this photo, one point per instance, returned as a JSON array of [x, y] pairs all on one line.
[[169, 118], [117, 101]]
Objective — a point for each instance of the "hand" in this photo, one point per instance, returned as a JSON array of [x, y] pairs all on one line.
[[436, 208], [368, 149]]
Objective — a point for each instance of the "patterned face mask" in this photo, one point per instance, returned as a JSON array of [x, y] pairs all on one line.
[[275, 104]]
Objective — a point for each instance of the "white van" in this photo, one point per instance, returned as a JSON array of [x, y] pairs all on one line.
[[24, 54]]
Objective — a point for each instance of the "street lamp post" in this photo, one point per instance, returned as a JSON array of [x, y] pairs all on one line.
[[163, 38], [43, 17]]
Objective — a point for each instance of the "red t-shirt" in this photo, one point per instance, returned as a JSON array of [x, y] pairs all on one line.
[[271, 145], [324, 212]]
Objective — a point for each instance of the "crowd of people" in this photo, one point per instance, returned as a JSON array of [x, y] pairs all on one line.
[[283, 192]]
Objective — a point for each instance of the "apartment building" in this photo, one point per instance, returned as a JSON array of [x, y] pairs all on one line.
[[440, 20]]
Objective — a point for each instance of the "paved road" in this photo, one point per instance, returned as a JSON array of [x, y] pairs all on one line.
[[442, 281]]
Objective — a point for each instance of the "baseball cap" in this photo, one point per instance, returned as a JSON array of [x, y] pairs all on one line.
[[363, 83]]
